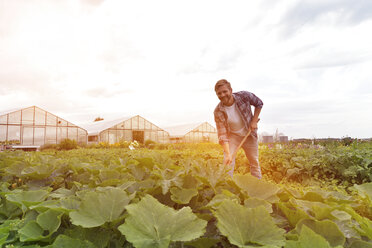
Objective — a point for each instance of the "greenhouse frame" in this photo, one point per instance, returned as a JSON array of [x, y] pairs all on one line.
[[37, 127], [193, 133], [125, 129]]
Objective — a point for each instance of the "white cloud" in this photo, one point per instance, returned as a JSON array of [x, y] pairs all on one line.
[[84, 59]]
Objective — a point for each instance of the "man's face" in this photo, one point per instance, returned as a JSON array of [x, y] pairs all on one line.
[[224, 93]]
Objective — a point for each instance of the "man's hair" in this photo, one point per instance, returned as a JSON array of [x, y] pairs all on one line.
[[222, 82]]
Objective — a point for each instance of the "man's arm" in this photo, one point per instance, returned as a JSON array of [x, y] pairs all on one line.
[[253, 124], [221, 129], [228, 159]]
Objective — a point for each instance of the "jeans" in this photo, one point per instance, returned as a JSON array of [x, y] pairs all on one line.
[[250, 147]]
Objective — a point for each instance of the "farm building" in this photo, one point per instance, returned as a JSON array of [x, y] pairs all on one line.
[[193, 133], [267, 139], [283, 139], [125, 129], [35, 126]]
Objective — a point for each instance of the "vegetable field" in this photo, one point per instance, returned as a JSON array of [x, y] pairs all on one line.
[[182, 196]]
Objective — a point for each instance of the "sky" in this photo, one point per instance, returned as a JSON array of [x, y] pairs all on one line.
[[309, 61]]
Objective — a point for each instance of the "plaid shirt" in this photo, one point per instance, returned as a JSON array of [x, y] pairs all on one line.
[[243, 100]]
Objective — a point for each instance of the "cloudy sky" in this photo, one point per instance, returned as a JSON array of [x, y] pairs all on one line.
[[310, 61]]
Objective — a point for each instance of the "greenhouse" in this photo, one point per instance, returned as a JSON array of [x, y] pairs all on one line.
[[193, 133], [125, 129], [35, 126]]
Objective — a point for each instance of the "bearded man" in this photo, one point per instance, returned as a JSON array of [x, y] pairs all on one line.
[[234, 118]]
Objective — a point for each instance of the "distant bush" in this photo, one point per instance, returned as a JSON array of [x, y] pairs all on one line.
[[67, 144], [346, 141], [150, 144], [49, 147], [10, 142]]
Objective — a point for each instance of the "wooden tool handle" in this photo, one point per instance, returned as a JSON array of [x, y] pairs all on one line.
[[242, 142]]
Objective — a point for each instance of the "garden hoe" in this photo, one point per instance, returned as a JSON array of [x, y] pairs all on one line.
[[241, 143]]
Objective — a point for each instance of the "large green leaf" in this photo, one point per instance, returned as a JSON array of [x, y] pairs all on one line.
[[64, 241], [293, 214], [255, 202], [318, 210], [99, 236], [152, 224], [62, 193], [365, 189], [248, 227], [181, 195], [41, 171], [365, 228], [6, 227], [258, 188], [326, 228], [64, 205], [98, 208], [346, 224], [219, 198], [212, 173], [25, 199], [308, 239], [202, 242], [47, 222], [361, 244], [9, 209], [168, 177]]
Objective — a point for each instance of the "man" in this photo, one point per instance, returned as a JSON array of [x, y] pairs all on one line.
[[233, 117]]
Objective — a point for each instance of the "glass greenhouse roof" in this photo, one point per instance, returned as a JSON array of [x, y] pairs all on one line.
[[94, 128], [181, 130], [5, 112]]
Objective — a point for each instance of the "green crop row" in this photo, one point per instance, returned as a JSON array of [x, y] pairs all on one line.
[[170, 198]]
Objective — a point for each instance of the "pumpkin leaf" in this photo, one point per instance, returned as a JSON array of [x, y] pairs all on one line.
[[326, 228], [181, 195], [248, 227], [97, 208], [152, 224], [308, 239], [257, 188]]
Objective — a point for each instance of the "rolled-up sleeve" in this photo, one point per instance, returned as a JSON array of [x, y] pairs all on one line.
[[221, 128], [253, 99]]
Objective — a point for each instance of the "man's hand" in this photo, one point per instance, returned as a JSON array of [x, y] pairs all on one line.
[[227, 160], [255, 119], [253, 125]]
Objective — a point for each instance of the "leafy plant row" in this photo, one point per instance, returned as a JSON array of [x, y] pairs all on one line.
[[339, 165], [142, 198]]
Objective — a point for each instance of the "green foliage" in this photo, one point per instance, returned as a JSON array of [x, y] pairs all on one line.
[[326, 228], [67, 144], [49, 147], [64, 241], [248, 227], [97, 208], [181, 195], [309, 164], [150, 144], [308, 239], [46, 223], [151, 224], [25, 199], [255, 187], [10, 142]]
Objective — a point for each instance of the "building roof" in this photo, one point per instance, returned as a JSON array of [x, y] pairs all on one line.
[[5, 112], [181, 130], [94, 128]]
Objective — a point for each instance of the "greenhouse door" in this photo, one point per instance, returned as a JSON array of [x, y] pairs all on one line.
[[139, 136]]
